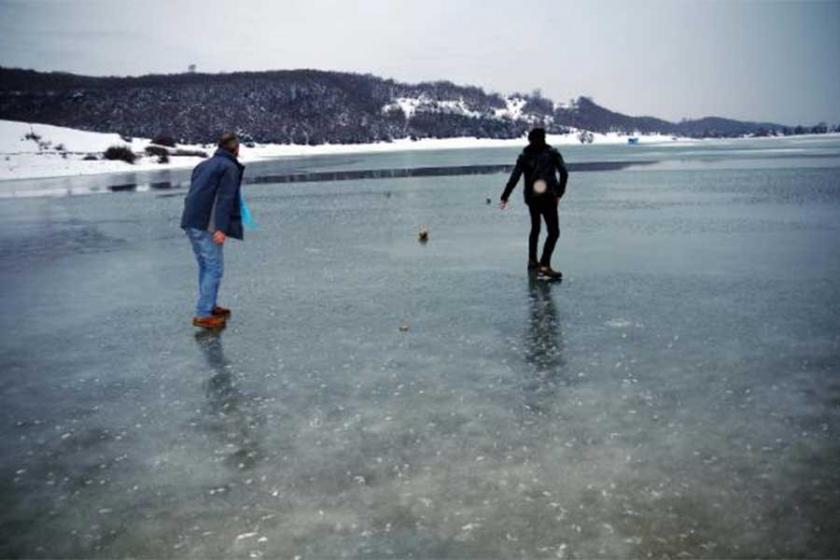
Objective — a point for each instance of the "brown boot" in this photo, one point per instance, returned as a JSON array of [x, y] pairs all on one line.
[[221, 312], [211, 322]]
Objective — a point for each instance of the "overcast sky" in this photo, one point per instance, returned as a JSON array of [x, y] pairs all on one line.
[[757, 60]]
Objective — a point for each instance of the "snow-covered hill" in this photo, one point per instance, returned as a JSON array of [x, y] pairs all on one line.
[[314, 107]]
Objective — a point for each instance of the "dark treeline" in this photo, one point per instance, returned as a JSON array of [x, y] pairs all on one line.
[[312, 107]]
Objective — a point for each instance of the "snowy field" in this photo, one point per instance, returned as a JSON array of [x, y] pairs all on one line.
[[22, 158], [677, 396]]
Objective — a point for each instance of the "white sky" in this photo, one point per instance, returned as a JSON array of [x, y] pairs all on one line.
[[758, 60]]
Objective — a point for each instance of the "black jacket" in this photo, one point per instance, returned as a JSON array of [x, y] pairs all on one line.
[[215, 182], [538, 162]]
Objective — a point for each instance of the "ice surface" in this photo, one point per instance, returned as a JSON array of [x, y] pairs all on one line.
[[677, 395]]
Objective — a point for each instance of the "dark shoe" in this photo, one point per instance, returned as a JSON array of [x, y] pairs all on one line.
[[221, 312], [533, 265], [548, 273], [211, 322]]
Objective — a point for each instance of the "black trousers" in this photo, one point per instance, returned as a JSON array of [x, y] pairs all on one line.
[[543, 208]]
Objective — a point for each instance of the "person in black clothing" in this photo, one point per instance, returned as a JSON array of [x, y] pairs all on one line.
[[541, 164]]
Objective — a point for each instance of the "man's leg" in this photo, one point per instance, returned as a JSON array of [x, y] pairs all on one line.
[[202, 266], [215, 271], [534, 237], [210, 262], [194, 235], [549, 212]]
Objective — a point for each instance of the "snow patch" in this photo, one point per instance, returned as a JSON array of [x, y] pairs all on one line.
[[412, 105], [13, 139], [512, 110], [457, 107], [408, 105]]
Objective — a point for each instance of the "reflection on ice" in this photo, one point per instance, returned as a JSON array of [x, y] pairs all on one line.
[[543, 348], [545, 338], [228, 414]]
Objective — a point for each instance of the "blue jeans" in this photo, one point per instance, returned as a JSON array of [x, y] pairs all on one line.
[[211, 266]]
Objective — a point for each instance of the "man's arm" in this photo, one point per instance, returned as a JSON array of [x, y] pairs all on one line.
[[564, 174], [514, 178], [225, 199]]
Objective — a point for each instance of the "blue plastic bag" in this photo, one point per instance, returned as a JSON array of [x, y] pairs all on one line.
[[247, 219]]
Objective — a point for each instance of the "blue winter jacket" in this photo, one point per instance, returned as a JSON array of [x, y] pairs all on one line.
[[215, 184]]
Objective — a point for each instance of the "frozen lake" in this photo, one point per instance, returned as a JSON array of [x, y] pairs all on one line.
[[677, 395]]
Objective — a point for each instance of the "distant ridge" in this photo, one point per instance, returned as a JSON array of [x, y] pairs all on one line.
[[315, 107]]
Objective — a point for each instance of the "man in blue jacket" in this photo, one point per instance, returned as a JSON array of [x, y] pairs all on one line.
[[212, 213]]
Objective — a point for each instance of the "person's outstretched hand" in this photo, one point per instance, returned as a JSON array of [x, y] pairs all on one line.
[[219, 237], [503, 204]]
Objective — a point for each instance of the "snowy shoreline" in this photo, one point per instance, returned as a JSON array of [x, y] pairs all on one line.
[[22, 158], [60, 151]]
